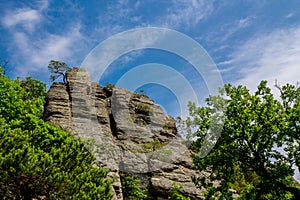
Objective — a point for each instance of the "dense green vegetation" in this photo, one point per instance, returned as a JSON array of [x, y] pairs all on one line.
[[132, 191], [37, 159], [248, 156]]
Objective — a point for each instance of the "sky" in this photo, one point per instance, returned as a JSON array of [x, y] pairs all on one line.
[[243, 42], [175, 51]]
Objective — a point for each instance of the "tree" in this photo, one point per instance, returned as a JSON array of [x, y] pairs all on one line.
[[37, 159], [57, 69], [34, 89], [258, 145]]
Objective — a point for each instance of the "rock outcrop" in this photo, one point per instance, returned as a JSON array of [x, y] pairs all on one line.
[[127, 132]]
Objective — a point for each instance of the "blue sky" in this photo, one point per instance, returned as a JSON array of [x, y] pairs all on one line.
[[247, 40]]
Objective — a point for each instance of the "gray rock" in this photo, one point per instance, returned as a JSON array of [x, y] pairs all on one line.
[[127, 132], [58, 106]]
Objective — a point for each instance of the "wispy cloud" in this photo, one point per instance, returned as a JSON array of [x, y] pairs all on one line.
[[39, 51], [290, 15], [130, 56], [32, 47], [131, 42], [122, 16], [176, 14], [25, 17], [269, 57], [232, 28], [186, 13], [118, 17]]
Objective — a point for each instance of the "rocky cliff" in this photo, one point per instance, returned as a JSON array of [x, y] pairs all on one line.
[[127, 132]]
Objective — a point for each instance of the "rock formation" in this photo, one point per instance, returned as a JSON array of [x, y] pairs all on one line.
[[127, 132]]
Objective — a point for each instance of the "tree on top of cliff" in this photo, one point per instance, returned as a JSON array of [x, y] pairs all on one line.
[[248, 156], [58, 69]]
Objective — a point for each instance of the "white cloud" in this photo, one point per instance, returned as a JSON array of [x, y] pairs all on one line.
[[113, 47], [115, 19], [186, 13], [38, 51], [26, 17], [180, 14], [33, 47], [269, 57], [177, 14], [232, 28], [129, 57], [290, 15]]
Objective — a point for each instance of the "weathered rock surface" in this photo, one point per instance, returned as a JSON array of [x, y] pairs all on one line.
[[58, 105], [127, 132]]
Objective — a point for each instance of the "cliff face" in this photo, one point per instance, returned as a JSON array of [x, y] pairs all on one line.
[[127, 132]]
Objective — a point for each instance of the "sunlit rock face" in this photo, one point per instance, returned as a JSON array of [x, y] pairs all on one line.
[[127, 132]]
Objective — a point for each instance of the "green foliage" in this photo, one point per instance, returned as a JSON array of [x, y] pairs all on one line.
[[244, 181], [246, 157], [152, 146], [175, 193], [58, 69], [139, 94], [136, 95], [34, 89], [131, 190], [16, 104], [38, 160], [142, 107]]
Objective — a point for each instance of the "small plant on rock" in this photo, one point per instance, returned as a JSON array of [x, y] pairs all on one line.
[[109, 86], [143, 107]]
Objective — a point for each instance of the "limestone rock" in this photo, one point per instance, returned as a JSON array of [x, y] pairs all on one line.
[[131, 135], [58, 106]]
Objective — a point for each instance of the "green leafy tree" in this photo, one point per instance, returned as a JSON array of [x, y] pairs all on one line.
[[34, 89], [37, 159], [58, 69], [258, 145]]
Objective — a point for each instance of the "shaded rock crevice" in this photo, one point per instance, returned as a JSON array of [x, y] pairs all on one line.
[[131, 134]]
